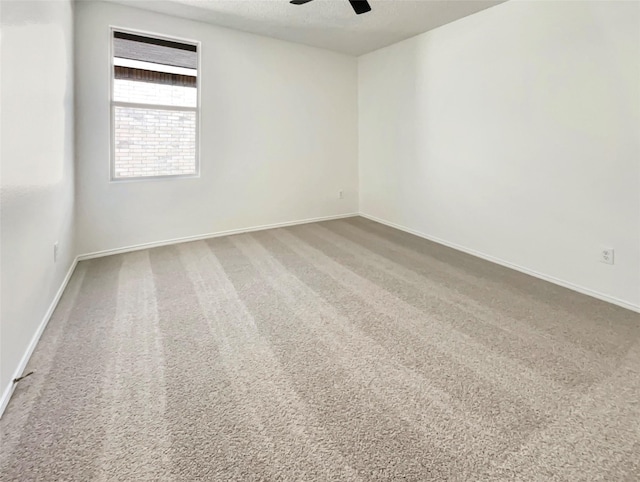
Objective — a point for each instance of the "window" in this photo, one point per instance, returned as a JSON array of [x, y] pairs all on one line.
[[154, 107]]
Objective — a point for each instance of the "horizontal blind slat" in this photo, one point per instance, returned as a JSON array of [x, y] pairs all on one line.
[[159, 54]]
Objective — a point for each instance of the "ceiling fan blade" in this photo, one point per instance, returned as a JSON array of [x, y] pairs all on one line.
[[299, 2], [360, 6]]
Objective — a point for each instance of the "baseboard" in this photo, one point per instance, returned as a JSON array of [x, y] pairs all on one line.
[[522, 269], [199, 237], [8, 391]]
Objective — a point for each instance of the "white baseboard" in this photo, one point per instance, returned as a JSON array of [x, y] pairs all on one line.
[[199, 237], [8, 391], [522, 269]]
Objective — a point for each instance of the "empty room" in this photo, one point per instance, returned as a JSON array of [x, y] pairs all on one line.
[[314, 240]]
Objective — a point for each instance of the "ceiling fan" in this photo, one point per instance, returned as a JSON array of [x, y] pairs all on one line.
[[360, 6]]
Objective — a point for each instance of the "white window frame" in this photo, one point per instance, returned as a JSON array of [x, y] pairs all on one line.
[[113, 104]]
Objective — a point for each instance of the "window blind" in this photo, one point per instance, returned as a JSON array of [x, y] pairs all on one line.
[[159, 51]]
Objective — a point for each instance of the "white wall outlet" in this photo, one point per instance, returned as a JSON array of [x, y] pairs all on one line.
[[606, 255], [55, 251], [340, 194]]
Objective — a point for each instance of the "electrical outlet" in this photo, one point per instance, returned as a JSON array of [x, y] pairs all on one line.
[[606, 255], [55, 251]]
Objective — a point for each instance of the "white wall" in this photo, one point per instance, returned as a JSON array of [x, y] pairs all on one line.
[[278, 136], [514, 133], [36, 161]]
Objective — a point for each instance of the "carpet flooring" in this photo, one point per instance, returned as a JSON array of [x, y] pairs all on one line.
[[342, 350]]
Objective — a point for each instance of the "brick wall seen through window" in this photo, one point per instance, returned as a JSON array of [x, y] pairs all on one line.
[[154, 107]]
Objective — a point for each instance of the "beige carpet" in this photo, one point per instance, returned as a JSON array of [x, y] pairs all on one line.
[[343, 350]]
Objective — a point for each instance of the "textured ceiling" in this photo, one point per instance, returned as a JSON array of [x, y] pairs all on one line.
[[329, 24]]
